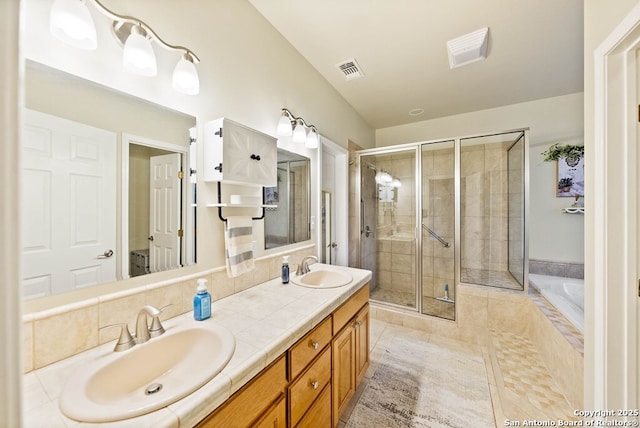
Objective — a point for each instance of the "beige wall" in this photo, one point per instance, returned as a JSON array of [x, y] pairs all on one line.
[[552, 235]]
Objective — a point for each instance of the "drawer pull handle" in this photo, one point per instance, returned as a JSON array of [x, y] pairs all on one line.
[[315, 345], [315, 384]]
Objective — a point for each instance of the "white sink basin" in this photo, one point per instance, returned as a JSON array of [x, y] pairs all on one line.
[[322, 278], [117, 386]]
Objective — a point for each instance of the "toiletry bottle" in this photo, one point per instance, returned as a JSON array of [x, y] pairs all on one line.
[[285, 269], [202, 302]]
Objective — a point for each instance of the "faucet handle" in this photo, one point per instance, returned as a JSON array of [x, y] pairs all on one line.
[[156, 328], [125, 341]]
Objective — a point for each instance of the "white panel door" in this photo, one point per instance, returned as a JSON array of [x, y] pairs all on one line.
[[165, 222], [68, 205]]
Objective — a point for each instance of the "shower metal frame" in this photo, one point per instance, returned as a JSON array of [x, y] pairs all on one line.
[[417, 148]]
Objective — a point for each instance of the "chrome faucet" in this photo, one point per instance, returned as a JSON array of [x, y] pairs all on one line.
[[303, 267], [142, 328]]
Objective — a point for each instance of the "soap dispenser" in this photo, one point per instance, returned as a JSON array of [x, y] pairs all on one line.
[[202, 302], [285, 269]]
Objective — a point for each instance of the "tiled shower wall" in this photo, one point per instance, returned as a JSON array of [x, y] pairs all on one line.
[[395, 228], [483, 206]]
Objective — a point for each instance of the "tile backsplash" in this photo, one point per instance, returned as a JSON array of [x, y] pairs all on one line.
[[52, 335]]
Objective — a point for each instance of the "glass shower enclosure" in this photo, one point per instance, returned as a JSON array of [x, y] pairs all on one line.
[[436, 214]]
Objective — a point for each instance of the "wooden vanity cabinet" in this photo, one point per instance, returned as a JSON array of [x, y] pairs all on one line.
[[350, 347], [259, 403], [312, 383]]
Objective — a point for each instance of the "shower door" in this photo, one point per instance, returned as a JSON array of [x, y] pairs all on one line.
[[388, 221], [492, 195], [438, 229]]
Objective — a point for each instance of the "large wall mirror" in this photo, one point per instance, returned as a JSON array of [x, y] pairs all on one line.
[[106, 189], [289, 222]]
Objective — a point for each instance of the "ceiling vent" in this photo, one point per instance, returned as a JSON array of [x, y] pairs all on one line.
[[350, 69], [469, 48]]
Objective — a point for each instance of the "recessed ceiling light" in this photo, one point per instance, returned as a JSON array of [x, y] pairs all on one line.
[[416, 112]]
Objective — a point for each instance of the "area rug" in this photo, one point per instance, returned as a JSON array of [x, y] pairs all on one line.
[[420, 384]]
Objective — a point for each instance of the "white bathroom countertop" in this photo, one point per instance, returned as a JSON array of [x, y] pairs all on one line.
[[265, 320]]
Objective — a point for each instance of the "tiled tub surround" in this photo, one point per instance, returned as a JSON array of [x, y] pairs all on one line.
[[55, 334], [554, 268], [265, 320], [486, 314]]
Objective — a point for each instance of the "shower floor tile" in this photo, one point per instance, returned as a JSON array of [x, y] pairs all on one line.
[[495, 278]]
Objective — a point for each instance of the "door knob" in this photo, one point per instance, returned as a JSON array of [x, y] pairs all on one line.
[[333, 245], [150, 238], [106, 254]]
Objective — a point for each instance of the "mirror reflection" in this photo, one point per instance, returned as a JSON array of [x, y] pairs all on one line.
[[289, 222], [106, 193]]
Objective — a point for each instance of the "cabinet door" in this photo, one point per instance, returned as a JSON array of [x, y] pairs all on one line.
[[319, 415], [361, 327], [264, 171], [238, 154], [274, 417], [344, 370]]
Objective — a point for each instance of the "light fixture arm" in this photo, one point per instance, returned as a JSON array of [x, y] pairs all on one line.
[[294, 120], [119, 19]]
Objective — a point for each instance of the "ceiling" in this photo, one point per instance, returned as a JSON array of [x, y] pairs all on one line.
[[535, 51]]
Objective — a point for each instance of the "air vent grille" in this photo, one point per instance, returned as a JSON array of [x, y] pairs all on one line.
[[350, 69]]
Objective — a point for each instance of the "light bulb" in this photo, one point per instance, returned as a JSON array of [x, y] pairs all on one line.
[[284, 125], [312, 140], [71, 22], [299, 133], [138, 56], [185, 76]]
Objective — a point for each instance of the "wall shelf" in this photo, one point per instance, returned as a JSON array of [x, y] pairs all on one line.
[[573, 210]]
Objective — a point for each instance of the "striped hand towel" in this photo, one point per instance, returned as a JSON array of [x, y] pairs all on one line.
[[238, 239]]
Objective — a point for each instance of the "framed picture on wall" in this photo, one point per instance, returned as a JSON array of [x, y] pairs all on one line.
[[570, 179]]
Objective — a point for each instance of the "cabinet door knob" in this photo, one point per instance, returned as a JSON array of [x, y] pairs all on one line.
[[357, 324], [315, 345], [315, 384], [255, 157]]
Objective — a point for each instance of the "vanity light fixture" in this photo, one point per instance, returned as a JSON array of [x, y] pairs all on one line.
[[290, 125], [138, 55], [71, 22]]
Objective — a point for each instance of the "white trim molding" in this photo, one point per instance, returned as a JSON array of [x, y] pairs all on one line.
[[10, 295], [611, 280]]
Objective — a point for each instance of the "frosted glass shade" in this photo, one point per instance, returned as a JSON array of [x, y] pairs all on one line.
[[312, 140], [71, 22], [299, 133], [284, 126], [185, 77], [138, 56]]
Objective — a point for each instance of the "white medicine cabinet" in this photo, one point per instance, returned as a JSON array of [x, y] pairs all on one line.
[[234, 153]]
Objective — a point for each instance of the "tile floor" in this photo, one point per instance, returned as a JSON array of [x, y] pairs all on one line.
[[519, 383]]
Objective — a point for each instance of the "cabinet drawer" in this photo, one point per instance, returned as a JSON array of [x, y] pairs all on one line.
[[319, 415], [309, 386], [307, 348], [344, 313], [250, 402]]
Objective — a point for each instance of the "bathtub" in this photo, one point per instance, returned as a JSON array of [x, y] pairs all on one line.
[[565, 294]]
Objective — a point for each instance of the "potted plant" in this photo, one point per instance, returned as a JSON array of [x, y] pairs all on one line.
[[565, 184], [571, 152]]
